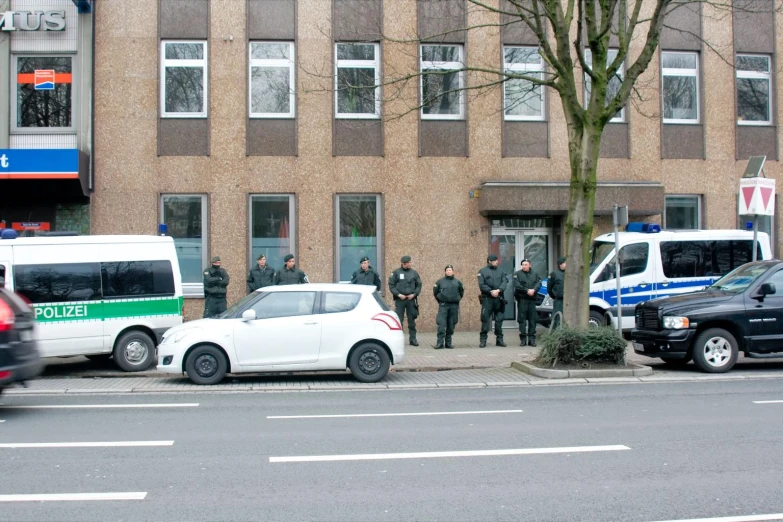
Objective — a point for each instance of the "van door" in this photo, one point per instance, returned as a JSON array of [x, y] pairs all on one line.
[[637, 279]]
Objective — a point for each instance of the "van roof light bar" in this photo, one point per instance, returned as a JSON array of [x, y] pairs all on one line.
[[647, 228]]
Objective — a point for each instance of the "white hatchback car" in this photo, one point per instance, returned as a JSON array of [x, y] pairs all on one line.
[[310, 327]]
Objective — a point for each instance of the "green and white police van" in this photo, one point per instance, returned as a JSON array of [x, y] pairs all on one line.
[[99, 296]]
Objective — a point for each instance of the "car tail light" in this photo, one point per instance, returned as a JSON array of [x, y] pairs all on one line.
[[5, 375], [6, 317], [388, 320]]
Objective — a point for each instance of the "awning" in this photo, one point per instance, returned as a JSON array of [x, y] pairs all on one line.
[[516, 198]]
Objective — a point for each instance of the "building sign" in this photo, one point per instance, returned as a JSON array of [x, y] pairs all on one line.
[[43, 80], [39, 164], [757, 197], [32, 21], [23, 226]]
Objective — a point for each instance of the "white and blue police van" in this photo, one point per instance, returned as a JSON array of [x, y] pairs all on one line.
[[659, 263]]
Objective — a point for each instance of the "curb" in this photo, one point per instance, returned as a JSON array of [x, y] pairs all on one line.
[[547, 373]]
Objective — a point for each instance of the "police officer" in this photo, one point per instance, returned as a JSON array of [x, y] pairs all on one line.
[[260, 275], [366, 275], [405, 286], [290, 275], [215, 284], [556, 287], [448, 293], [492, 282], [526, 285]]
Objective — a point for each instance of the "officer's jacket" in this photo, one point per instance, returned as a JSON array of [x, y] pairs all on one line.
[[260, 277], [292, 276], [370, 277], [215, 281], [556, 284], [524, 281], [492, 278], [404, 282], [448, 290]]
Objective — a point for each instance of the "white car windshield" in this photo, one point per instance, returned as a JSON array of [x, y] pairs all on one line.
[[740, 278]]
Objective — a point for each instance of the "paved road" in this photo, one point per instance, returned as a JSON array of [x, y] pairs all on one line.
[[644, 452]]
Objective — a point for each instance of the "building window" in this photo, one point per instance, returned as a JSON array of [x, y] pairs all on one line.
[[442, 82], [184, 79], [680, 87], [682, 212], [754, 85], [358, 219], [186, 218], [44, 92], [523, 100], [357, 81], [272, 82], [613, 86], [272, 227]]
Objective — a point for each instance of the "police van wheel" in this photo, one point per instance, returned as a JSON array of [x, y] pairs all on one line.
[[596, 319], [206, 365], [715, 351], [134, 351], [369, 363]]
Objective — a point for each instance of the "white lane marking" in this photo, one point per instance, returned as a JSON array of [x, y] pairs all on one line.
[[746, 518], [2, 420], [443, 454], [58, 497], [76, 406], [117, 444], [414, 414], [767, 402]]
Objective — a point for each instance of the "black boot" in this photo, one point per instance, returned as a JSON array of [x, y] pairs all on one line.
[[413, 342], [448, 344], [439, 346], [499, 342], [482, 343], [522, 340], [532, 341]]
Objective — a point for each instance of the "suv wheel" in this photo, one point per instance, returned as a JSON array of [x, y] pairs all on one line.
[[715, 351]]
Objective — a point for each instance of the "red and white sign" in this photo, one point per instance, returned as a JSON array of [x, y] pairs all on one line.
[[20, 227], [757, 197]]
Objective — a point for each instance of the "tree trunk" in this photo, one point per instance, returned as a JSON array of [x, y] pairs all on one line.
[[584, 145]]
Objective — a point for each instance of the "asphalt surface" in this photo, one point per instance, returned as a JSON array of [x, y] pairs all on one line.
[[694, 450]]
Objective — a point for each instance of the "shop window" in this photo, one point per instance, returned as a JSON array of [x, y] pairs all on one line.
[[682, 212], [523, 100], [754, 85], [358, 219], [183, 79], [272, 80], [442, 82], [44, 92], [614, 83], [186, 219], [272, 227], [357, 80], [680, 87]]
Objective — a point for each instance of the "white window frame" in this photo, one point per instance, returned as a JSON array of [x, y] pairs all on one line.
[[193, 290], [682, 72], [358, 64], [696, 197], [443, 66], [611, 55], [755, 75], [203, 63], [260, 63], [379, 237], [523, 68], [15, 96]]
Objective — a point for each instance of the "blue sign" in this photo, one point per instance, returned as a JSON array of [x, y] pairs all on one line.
[[39, 163]]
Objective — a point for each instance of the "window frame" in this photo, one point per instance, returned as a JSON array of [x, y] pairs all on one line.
[[445, 66], [378, 228], [191, 290], [588, 57], [267, 62], [755, 75], [699, 215], [14, 95], [525, 68], [170, 62], [668, 71], [292, 224], [358, 64]]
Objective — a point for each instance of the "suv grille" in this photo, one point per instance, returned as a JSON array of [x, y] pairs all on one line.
[[647, 319]]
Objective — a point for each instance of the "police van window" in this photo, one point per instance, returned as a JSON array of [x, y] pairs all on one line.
[[2, 276], [137, 279], [284, 304], [337, 302], [686, 259], [58, 283], [633, 259]]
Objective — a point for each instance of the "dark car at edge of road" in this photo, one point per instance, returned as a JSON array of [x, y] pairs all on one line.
[[19, 358], [741, 312]]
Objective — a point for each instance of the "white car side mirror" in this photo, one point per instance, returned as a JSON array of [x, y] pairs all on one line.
[[249, 315]]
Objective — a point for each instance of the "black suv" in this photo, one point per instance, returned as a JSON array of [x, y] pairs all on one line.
[[743, 311], [19, 359]]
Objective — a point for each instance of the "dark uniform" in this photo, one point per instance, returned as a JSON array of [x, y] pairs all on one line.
[[406, 282], [290, 276], [260, 277], [448, 292], [556, 288], [215, 284], [526, 304], [366, 277], [492, 278]]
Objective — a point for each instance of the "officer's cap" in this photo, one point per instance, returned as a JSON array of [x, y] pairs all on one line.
[[561, 260], [447, 267], [492, 257], [526, 260], [405, 259], [259, 258], [288, 258], [365, 258], [216, 259]]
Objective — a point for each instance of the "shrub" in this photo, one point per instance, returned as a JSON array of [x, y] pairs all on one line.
[[566, 345]]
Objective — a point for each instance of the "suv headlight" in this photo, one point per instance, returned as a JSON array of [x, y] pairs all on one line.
[[672, 322]]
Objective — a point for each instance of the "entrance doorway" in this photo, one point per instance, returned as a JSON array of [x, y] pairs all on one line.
[[515, 239]]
